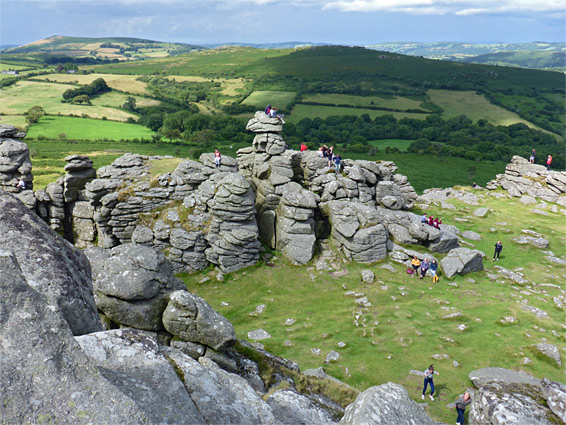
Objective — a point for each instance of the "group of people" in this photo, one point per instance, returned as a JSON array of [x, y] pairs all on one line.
[[431, 221], [460, 404], [548, 159], [271, 112], [328, 153], [425, 266]]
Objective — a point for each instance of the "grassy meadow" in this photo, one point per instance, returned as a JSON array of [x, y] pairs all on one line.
[[400, 144], [301, 111], [124, 83], [404, 327], [390, 102], [475, 107], [279, 99], [20, 97], [51, 127]]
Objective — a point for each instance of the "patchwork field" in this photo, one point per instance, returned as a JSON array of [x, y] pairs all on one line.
[[312, 111], [406, 323], [18, 98], [475, 106], [279, 99], [125, 83], [400, 103]]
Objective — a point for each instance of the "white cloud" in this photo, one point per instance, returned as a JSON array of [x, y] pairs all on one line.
[[125, 26], [459, 7]]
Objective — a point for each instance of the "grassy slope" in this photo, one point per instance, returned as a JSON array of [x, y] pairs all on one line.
[[279, 99], [475, 107], [404, 327], [401, 103], [125, 83]]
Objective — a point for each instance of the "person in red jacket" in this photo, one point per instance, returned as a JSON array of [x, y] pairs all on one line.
[[548, 162], [303, 147]]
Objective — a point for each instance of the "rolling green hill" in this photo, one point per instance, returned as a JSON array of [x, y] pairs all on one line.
[[108, 48], [555, 61]]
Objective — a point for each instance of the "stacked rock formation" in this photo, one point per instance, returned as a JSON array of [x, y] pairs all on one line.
[[521, 177], [15, 164]]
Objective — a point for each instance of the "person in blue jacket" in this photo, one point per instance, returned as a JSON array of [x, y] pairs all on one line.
[[434, 270]]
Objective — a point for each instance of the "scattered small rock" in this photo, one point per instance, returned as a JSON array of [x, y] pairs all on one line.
[[316, 351], [368, 276], [481, 212], [332, 357], [258, 335], [540, 212], [289, 322], [473, 236], [462, 327], [550, 351]]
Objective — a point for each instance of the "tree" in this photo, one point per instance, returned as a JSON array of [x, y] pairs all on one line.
[[33, 114], [130, 104], [82, 99]]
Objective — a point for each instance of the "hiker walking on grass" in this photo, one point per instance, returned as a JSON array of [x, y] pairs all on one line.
[[428, 380], [498, 249], [461, 405], [434, 270]]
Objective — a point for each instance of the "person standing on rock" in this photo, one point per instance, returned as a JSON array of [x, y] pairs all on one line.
[[424, 268], [217, 158], [498, 249], [461, 405], [532, 158], [428, 380], [338, 163], [548, 162]]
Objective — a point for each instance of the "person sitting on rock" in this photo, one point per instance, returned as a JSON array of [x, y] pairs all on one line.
[[273, 114], [431, 221], [434, 270], [424, 218], [304, 147], [217, 158], [436, 223], [21, 185], [267, 110], [322, 151], [415, 264], [424, 268]]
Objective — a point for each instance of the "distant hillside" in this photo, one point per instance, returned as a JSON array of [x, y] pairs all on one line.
[[110, 48], [283, 45], [530, 52], [555, 61]]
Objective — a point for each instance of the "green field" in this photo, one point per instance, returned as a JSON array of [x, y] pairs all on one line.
[[399, 103], [312, 111], [18, 98], [474, 106], [400, 144], [403, 327], [15, 120], [87, 129], [278, 99], [125, 83]]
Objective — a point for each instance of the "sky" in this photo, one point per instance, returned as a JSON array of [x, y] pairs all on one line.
[[347, 22]]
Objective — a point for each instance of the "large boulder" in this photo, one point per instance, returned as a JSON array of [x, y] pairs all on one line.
[[462, 261], [221, 397], [50, 264], [509, 397], [387, 404], [132, 283], [132, 360], [291, 408], [43, 371], [193, 320], [261, 123]]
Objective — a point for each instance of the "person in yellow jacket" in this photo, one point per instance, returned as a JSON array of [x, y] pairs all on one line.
[[415, 264]]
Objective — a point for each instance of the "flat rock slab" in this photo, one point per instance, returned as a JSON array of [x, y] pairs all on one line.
[[481, 212]]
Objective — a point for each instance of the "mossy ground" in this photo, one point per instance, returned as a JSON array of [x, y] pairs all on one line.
[[404, 326]]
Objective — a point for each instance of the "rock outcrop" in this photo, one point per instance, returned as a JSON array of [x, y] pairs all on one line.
[[387, 404], [509, 397], [521, 177], [462, 261], [50, 264], [132, 284]]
